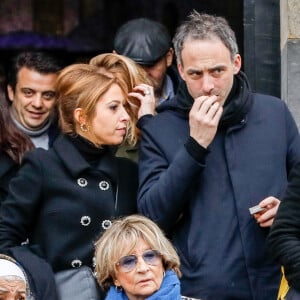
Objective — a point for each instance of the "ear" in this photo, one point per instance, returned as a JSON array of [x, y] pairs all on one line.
[[10, 93], [237, 63], [169, 57], [79, 116], [116, 282], [181, 71]]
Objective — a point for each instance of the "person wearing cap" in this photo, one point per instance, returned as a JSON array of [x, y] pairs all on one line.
[[148, 43]]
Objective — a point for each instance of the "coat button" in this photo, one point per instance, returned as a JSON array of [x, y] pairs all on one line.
[[85, 220], [104, 185], [106, 224], [76, 263], [82, 182]]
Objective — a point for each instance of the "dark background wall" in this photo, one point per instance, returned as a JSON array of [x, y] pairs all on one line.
[[99, 25], [92, 24]]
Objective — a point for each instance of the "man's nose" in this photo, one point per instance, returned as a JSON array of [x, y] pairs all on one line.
[[37, 101], [207, 84]]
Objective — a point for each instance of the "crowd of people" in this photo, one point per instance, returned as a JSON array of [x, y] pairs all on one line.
[[127, 178]]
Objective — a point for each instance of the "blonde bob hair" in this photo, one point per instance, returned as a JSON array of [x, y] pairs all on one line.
[[126, 70], [81, 86], [119, 240]]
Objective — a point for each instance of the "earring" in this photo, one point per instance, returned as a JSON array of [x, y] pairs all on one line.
[[119, 289], [84, 127]]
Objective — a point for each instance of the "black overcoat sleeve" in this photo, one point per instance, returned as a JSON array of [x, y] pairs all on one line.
[[19, 210], [284, 237]]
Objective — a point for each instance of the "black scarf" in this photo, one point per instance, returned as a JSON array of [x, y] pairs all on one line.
[[235, 107]]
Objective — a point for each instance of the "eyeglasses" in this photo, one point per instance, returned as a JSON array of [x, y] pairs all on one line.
[[128, 263]]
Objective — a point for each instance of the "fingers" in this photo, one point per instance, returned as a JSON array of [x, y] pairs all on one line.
[[269, 202], [145, 94], [144, 89], [266, 218], [206, 108], [204, 103], [204, 118]]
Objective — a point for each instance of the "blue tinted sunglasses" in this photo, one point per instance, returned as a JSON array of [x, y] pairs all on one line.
[[128, 263]]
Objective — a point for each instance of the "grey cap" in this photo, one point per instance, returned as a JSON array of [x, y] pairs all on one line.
[[144, 41]]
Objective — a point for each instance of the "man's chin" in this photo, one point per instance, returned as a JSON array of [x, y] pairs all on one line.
[[36, 126]]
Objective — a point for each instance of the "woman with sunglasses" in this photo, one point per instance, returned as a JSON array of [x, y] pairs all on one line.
[[135, 261]]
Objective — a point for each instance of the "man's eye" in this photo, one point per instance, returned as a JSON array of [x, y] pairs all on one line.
[[48, 96], [195, 75], [218, 71], [28, 93]]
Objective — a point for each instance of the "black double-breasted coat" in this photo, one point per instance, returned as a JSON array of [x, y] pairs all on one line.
[[62, 204], [8, 169]]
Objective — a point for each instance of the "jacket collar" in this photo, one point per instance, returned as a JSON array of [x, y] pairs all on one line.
[[76, 164]]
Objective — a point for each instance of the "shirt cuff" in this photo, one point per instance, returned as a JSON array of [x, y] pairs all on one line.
[[195, 150]]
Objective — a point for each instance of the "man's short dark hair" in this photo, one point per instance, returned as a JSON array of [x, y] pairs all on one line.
[[201, 26], [40, 61]]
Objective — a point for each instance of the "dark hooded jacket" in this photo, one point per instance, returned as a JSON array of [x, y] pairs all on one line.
[[201, 197]]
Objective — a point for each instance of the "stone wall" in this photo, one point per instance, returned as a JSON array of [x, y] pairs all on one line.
[[290, 55]]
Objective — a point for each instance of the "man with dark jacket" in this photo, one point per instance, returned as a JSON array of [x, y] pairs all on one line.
[[31, 95], [212, 152], [149, 44]]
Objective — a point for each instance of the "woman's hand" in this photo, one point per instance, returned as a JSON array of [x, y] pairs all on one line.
[[145, 94]]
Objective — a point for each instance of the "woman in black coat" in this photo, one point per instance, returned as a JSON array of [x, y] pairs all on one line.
[[63, 198], [13, 145]]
